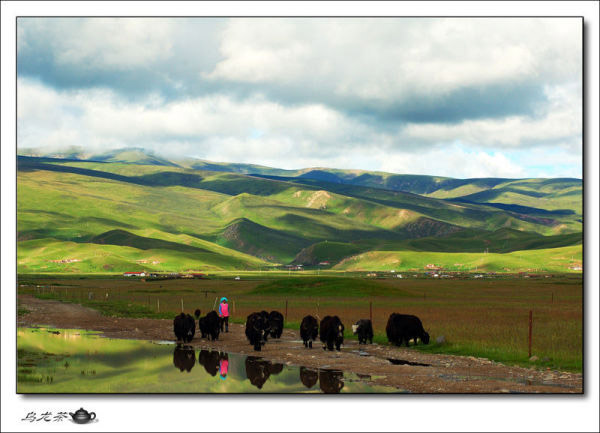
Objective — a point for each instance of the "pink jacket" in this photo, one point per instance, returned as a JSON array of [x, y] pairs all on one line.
[[223, 367], [224, 309]]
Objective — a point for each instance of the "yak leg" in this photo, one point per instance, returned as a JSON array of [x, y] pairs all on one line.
[[310, 344]]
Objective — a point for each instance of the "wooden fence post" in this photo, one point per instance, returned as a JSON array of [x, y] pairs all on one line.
[[317, 308], [530, 326], [158, 305], [182, 305]]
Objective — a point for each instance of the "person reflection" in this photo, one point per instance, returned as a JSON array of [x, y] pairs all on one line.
[[184, 358], [331, 381], [210, 360], [308, 377], [223, 365]]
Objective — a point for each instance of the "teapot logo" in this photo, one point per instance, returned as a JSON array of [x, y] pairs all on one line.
[[82, 416]]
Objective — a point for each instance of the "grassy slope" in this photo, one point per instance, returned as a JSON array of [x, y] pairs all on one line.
[[221, 220], [456, 213], [551, 260], [548, 194], [381, 208], [78, 212]]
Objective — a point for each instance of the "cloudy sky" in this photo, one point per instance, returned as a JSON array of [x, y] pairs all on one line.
[[452, 97]]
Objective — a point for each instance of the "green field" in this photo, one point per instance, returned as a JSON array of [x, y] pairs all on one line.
[[486, 317]]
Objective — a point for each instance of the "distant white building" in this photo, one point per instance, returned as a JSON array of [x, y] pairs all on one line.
[[134, 274]]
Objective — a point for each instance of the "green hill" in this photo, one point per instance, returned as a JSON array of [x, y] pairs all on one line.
[[76, 216], [547, 260]]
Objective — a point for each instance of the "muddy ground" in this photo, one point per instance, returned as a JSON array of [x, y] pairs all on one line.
[[441, 374]]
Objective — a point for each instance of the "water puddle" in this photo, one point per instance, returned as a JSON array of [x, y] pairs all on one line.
[[403, 362], [75, 361]]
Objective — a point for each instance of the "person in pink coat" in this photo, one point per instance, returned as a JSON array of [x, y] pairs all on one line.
[[224, 314]]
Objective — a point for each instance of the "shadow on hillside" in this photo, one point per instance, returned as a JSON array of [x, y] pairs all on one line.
[[127, 239], [165, 178]]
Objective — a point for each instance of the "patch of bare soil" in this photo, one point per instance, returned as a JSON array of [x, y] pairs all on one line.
[[411, 370]]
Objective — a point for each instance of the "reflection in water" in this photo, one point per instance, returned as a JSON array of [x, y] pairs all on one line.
[[214, 362], [89, 364], [331, 381], [184, 358], [308, 377], [210, 360], [223, 364], [258, 370]]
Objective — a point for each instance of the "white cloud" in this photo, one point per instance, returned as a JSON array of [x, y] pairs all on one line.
[[454, 161], [103, 43], [383, 59], [560, 124], [311, 92], [97, 117]]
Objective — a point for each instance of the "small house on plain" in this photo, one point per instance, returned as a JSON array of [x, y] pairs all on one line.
[[134, 274]]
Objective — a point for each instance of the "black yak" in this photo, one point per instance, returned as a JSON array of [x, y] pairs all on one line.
[[331, 332], [202, 327], [275, 324], [210, 360], [309, 329], [257, 329], [404, 327], [308, 377], [184, 327], [364, 329], [212, 325], [331, 381], [184, 358]]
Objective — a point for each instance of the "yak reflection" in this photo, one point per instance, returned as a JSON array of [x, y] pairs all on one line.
[[331, 381], [258, 370], [308, 377], [184, 358], [214, 362]]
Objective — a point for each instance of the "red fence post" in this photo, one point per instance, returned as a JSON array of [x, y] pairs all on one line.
[[530, 326]]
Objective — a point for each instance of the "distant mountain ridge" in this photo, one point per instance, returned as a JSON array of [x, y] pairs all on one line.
[[435, 186]]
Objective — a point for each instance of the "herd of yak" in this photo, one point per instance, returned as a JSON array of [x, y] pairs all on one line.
[[401, 328]]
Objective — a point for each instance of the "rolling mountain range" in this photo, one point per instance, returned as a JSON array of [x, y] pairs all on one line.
[[131, 210]]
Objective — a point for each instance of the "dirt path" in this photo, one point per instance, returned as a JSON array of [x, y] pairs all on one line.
[[443, 373]]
